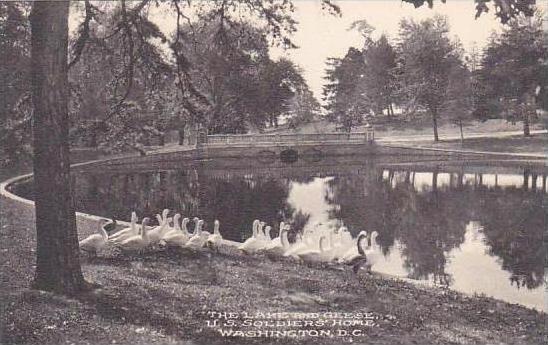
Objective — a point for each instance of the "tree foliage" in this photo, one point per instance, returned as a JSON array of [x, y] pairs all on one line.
[[344, 93], [15, 106], [426, 58], [505, 10], [514, 72]]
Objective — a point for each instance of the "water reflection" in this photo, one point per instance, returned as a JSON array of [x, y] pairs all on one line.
[[477, 228]]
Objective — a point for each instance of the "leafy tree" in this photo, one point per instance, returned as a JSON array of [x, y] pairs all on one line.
[[513, 70], [347, 102], [460, 97], [97, 84], [427, 57], [303, 107], [15, 112], [380, 77], [57, 267]]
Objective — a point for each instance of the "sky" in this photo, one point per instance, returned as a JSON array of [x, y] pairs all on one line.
[[321, 35]]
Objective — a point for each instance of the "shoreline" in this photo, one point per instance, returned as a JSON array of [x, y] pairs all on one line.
[[161, 297]]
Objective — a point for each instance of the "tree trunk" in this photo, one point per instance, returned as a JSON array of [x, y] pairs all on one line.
[[461, 134], [181, 132], [526, 130], [57, 254], [435, 125]]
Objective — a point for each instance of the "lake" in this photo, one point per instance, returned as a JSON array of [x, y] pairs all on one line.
[[476, 227]]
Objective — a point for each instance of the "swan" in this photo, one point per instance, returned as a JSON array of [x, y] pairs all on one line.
[[314, 254], [138, 242], [197, 240], [95, 242], [215, 239], [253, 243], [158, 231], [130, 231]]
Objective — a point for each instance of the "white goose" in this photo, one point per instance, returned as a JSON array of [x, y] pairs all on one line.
[[254, 243], [302, 244], [175, 229], [280, 244], [128, 232], [314, 254], [332, 250], [177, 238], [372, 253], [355, 248], [138, 242], [215, 239], [197, 240], [184, 226], [92, 244], [158, 231]]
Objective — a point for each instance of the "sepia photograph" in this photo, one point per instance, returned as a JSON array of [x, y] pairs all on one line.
[[273, 172]]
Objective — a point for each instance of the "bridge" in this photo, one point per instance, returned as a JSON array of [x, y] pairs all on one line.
[[284, 144]]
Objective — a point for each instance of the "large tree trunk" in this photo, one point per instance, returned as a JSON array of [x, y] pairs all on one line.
[[57, 260], [435, 124]]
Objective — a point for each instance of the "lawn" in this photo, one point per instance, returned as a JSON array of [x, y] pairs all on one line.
[[536, 144]]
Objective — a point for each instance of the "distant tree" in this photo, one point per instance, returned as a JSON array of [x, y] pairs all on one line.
[[459, 104], [427, 57], [345, 94], [303, 107], [514, 71], [380, 78]]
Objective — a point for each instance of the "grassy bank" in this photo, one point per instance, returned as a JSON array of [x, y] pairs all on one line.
[[536, 144], [421, 126], [164, 296]]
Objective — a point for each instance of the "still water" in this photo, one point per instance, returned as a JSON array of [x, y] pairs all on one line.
[[475, 227]]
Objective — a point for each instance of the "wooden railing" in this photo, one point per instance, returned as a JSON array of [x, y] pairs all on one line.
[[289, 138]]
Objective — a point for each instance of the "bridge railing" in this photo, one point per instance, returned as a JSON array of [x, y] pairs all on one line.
[[289, 138]]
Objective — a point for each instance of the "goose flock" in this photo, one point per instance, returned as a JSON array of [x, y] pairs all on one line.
[[336, 246]]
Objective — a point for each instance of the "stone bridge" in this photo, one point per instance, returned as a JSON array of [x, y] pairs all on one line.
[[286, 145]]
